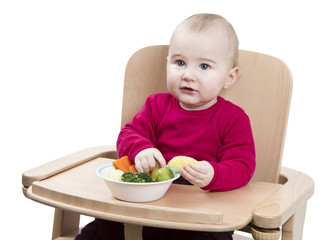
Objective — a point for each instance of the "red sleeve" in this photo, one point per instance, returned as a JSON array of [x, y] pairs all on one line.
[[236, 156], [139, 134]]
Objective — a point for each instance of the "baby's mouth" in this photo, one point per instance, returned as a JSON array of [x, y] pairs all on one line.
[[188, 90]]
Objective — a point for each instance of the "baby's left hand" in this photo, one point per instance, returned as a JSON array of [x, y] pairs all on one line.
[[199, 175]]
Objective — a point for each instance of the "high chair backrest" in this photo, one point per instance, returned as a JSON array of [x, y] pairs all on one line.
[[263, 90]]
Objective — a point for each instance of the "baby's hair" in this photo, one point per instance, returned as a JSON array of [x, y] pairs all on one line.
[[205, 21]]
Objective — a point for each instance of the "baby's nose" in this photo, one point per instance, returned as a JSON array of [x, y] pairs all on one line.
[[189, 75]]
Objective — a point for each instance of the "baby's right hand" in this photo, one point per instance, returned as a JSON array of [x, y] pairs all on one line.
[[146, 159]]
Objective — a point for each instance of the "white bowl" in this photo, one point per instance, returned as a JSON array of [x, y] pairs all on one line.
[[134, 192]]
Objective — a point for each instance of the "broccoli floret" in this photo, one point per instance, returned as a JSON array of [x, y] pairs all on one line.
[[145, 177], [127, 177], [136, 177]]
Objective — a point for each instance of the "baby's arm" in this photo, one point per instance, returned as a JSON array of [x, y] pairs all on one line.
[[146, 159], [198, 174], [139, 134]]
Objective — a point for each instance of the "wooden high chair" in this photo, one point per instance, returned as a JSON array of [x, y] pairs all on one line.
[[273, 202]]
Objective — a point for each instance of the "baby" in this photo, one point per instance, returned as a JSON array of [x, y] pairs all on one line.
[[192, 120]]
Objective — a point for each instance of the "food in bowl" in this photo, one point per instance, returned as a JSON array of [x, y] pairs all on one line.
[[163, 174], [126, 172], [134, 192], [124, 164], [136, 177], [115, 174]]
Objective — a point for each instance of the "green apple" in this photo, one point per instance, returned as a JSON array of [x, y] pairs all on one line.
[[163, 174]]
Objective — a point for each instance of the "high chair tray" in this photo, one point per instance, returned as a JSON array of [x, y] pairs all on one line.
[[79, 189]]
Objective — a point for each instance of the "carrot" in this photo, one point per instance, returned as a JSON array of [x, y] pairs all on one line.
[[124, 164], [132, 169]]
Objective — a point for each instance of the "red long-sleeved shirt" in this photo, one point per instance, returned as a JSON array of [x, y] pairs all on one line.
[[221, 135]]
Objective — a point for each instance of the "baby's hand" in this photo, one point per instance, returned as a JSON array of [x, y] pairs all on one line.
[[146, 159], [198, 174]]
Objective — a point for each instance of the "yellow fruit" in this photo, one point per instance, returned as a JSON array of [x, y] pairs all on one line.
[[179, 162]]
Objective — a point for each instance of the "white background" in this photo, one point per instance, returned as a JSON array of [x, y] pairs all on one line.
[[62, 67]]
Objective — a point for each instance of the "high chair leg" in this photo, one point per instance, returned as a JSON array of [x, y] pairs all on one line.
[[293, 227], [132, 231], [64, 222]]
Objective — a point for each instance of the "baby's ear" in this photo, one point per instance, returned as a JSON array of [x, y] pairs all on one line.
[[231, 78]]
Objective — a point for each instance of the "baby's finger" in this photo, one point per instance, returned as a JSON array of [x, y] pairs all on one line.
[[151, 162], [198, 167], [193, 170], [158, 156], [145, 165], [138, 165], [190, 177]]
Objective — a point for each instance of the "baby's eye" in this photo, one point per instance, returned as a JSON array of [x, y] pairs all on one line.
[[204, 66], [180, 63]]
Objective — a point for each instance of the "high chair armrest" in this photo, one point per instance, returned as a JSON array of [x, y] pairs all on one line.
[[49, 169], [284, 203]]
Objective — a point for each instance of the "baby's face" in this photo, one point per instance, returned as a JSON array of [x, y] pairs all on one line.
[[198, 67]]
